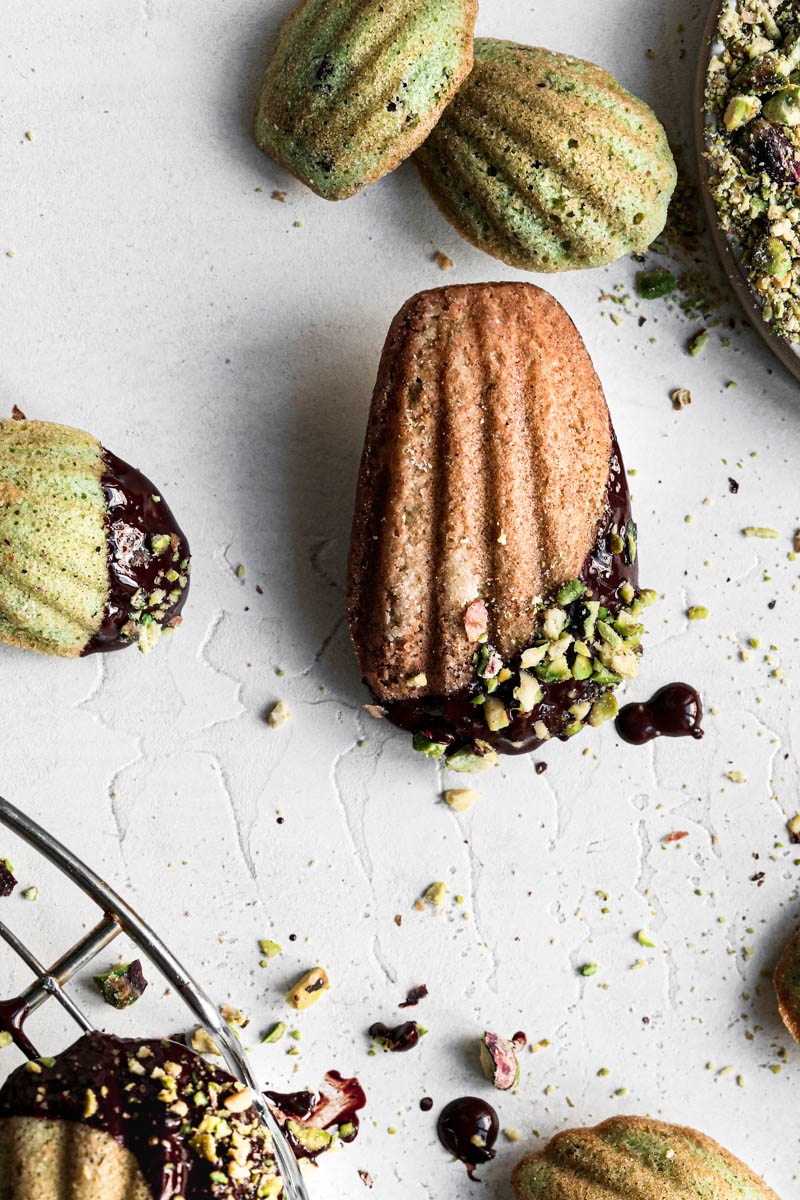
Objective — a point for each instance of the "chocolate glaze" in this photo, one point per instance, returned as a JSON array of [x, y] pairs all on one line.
[[674, 711], [337, 1103], [7, 880], [455, 719], [426, 1104], [12, 1017], [400, 1037], [460, 1122], [133, 1116], [133, 518], [414, 996]]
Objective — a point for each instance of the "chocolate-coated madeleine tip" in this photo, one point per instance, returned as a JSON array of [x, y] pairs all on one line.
[[91, 557], [489, 472]]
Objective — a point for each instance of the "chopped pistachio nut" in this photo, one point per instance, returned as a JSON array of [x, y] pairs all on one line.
[[460, 799], [5, 1039], [736, 776], [680, 398], [760, 531], [589, 969], [435, 894], [275, 1033], [418, 681], [698, 343], [697, 612], [202, 1042], [268, 948], [30, 893], [644, 939], [308, 988], [280, 714]]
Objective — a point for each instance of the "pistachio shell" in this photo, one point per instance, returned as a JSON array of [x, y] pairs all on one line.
[[499, 1061]]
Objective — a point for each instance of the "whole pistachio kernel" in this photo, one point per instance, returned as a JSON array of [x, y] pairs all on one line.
[[784, 107], [773, 257], [740, 110]]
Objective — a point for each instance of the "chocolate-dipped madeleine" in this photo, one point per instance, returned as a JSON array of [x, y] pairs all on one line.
[[91, 557], [124, 1119], [492, 588]]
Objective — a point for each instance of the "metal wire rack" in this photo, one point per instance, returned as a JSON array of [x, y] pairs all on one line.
[[118, 917]]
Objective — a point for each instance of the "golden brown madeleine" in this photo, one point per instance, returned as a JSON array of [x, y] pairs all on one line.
[[787, 985], [485, 484], [49, 1160], [354, 86], [635, 1158]]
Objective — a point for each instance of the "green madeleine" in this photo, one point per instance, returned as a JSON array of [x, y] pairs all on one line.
[[635, 1158], [354, 86], [54, 580], [547, 162]]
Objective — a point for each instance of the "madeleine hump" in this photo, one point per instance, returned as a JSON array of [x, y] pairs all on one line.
[[492, 589]]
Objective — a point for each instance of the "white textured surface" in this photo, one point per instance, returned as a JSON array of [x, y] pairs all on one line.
[[144, 259]]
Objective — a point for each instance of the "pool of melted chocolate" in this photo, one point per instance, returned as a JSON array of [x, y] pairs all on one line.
[[127, 1108], [136, 512], [675, 710], [455, 719], [404, 1036], [468, 1128], [337, 1103]]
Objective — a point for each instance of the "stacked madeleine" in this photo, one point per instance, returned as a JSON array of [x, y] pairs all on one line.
[[539, 159]]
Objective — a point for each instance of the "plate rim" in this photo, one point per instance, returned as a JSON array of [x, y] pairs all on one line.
[[780, 347]]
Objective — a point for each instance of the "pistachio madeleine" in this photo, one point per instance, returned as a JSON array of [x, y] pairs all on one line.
[[546, 162], [492, 587], [91, 557], [629, 1157], [354, 86]]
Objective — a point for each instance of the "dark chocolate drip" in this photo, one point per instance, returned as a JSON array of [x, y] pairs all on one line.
[[136, 515], [468, 1128], [337, 1103], [12, 1017], [674, 711], [398, 1037], [455, 719], [94, 1076]]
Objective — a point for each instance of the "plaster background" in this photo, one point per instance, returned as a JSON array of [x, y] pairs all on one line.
[[160, 299]]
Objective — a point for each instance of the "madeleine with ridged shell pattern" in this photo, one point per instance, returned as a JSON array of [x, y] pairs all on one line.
[[787, 986], [547, 162], [490, 490], [635, 1157], [354, 86]]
